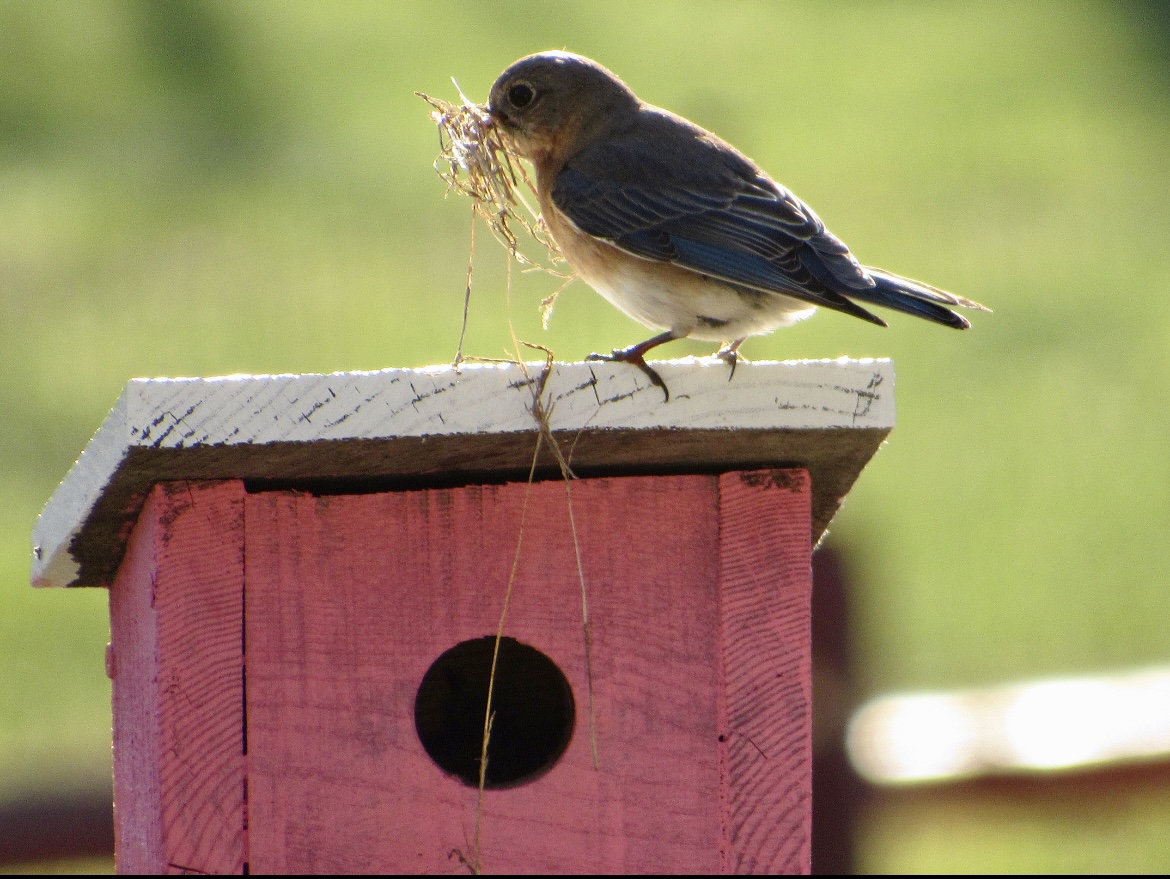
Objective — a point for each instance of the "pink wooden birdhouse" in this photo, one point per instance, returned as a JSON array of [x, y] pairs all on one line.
[[307, 575]]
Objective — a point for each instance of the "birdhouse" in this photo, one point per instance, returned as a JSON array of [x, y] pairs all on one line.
[[316, 579]]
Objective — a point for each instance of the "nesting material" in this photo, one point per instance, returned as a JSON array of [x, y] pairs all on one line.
[[475, 160]]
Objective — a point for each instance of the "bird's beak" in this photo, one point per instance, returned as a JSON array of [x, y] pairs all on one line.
[[497, 118]]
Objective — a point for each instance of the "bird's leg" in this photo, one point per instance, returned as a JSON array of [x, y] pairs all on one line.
[[636, 355], [729, 354]]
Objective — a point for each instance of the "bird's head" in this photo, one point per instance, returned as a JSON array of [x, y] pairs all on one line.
[[553, 104]]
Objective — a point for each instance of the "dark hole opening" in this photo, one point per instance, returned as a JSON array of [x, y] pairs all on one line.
[[532, 703]]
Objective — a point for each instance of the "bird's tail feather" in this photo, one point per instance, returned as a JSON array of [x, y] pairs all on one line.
[[916, 298]]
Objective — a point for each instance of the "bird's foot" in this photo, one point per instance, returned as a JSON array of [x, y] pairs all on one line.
[[730, 355], [636, 356]]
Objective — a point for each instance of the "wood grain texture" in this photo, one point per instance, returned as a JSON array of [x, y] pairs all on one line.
[[176, 614], [350, 599], [765, 580], [435, 425]]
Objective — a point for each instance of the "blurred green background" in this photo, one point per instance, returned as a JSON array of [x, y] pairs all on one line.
[[202, 188]]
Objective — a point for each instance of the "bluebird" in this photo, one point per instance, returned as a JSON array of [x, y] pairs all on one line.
[[676, 227]]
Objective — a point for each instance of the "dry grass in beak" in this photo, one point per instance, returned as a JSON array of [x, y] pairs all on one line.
[[475, 161]]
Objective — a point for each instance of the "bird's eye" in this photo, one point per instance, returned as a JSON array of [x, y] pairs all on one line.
[[521, 95]]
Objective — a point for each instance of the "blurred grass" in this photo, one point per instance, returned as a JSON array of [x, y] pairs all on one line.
[[203, 188], [965, 832], [69, 867]]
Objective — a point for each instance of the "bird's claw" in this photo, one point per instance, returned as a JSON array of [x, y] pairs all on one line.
[[634, 357], [730, 355]]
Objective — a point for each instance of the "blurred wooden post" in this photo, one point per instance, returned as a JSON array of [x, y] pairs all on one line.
[[289, 555]]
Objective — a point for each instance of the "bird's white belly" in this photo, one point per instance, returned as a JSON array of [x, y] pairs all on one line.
[[672, 298]]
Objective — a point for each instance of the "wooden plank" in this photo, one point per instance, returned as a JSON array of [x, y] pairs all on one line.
[[765, 588], [131, 662], [350, 599], [176, 618], [412, 428]]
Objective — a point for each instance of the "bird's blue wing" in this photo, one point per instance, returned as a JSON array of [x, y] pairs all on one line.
[[736, 226]]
